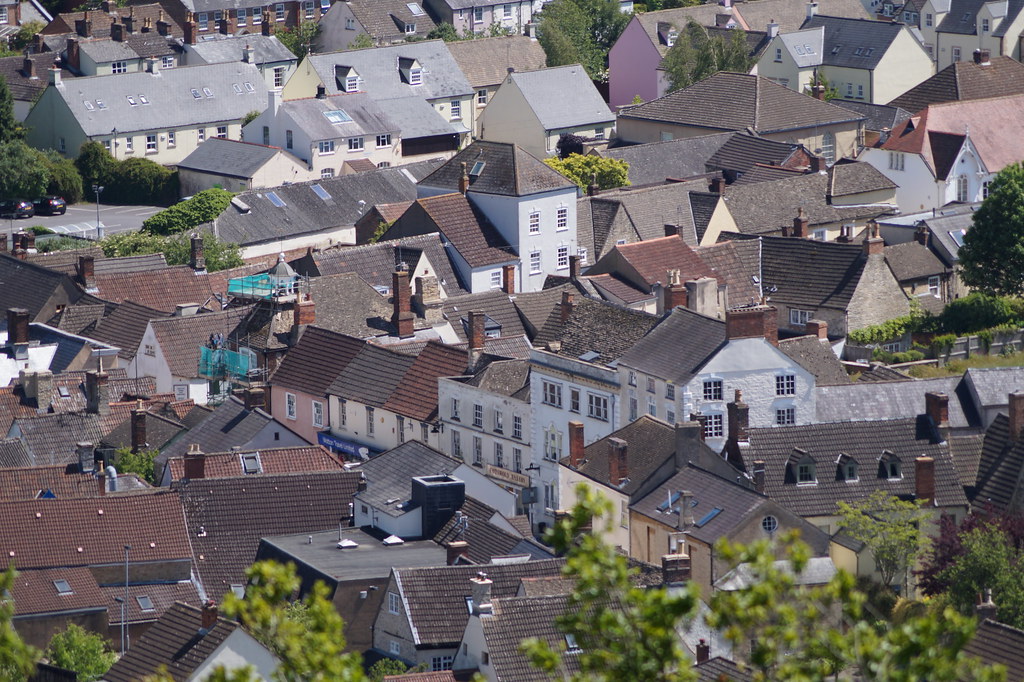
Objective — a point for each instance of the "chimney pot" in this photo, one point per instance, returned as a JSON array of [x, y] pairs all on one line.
[[456, 550], [986, 608], [195, 462], [675, 569], [576, 442], [196, 259], [209, 618], [1016, 415], [757, 321], [402, 316], [873, 245]]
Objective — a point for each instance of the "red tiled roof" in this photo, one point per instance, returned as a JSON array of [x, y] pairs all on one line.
[[164, 289], [34, 592], [416, 394], [272, 461], [652, 259], [163, 596], [25, 483]]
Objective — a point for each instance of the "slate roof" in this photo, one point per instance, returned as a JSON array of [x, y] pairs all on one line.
[[30, 286], [293, 460], [879, 117], [519, 618], [535, 307], [677, 347], [72, 532], [741, 152], [854, 43], [34, 592], [508, 170], [871, 400], [654, 162], [26, 88], [718, 669], [416, 394], [485, 61], [236, 512], [316, 361], [384, 18], [735, 262], [125, 326], [649, 442], [174, 641], [172, 103], [995, 642], [817, 357], [160, 429], [222, 156], [180, 338], [107, 50], [436, 597], [993, 385], [603, 328], [389, 474], [999, 468], [805, 46], [879, 372], [965, 80], [472, 523], [372, 375], [216, 48], [912, 260], [77, 318], [562, 97], [863, 441], [497, 305], [850, 178], [734, 101], [366, 117]]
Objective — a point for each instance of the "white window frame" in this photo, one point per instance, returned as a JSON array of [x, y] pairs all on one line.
[[481, 97], [534, 222], [171, 139], [478, 415], [325, 147], [318, 414], [478, 15], [384, 140], [415, 76], [785, 416], [535, 262], [517, 427], [356, 144], [597, 407], [394, 603], [370, 421], [309, 9], [290, 406], [714, 426], [785, 384], [203, 21], [713, 390], [551, 393], [562, 218], [279, 11], [119, 67], [222, 132], [562, 257], [800, 317], [151, 144], [455, 110], [934, 284]]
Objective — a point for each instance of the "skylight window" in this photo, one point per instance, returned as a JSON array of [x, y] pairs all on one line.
[[571, 645], [131, 101], [276, 200], [208, 92], [88, 105], [143, 99], [63, 587], [63, 391], [337, 116], [321, 192], [145, 603], [867, 53], [197, 94], [237, 88], [799, 49], [810, 50], [416, 10], [857, 52], [249, 87], [251, 464], [477, 168], [707, 517], [100, 104]]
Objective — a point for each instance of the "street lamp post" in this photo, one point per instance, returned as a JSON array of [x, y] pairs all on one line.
[[120, 601], [127, 637], [97, 190]]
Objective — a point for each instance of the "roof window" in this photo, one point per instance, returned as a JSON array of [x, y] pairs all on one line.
[[251, 464], [208, 92], [237, 87], [145, 603], [131, 101], [63, 587], [416, 10], [249, 87], [101, 104], [88, 105], [276, 200], [337, 116], [477, 168], [196, 94], [320, 192]]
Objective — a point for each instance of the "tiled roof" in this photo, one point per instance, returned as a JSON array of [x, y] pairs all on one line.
[[685, 157], [485, 61], [436, 597], [854, 43], [162, 595], [27, 483], [661, 353], [742, 151], [26, 88], [764, 173], [615, 289], [164, 289], [999, 468], [466, 227], [34, 591], [507, 170], [995, 642], [292, 460], [649, 442], [226, 517], [316, 361], [80, 317], [720, 669], [562, 97], [879, 372], [734, 101], [91, 531], [51, 438], [181, 337], [65, 21], [176, 642], [846, 178], [497, 305], [516, 619], [735, 262], [372, 375], [535, 306], [879, 117], [652, 259], [160, 429], [125, 327], [817, 357], [416, 394], [863, 441], [439, 676], [13, 453], [603, 328], [384, 19], [30, 286], [965, 80], [229, 157], [389, 474], [872, 400], [486, 540], [912, 260]]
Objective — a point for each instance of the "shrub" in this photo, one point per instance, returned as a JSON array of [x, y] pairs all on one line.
[[204, 207], [65, 180], [942, 344], [979, 311]]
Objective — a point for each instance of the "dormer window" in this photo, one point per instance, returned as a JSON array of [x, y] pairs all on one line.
[[411, 70], [889, 466], [800, 468], [671, 38], [846, 468], [410, 28], [352, 84], [415, 76]]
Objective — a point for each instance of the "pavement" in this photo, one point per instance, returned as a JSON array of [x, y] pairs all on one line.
[[80, 220]]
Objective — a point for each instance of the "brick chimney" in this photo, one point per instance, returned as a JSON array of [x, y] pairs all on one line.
[[1015, 412], [117, 32], [675, 294], [574, 267], [508, 278], [874, 245], [464, 180], [924, 478], [800, 224], [618, 467], [703, 651], [749, 323], [759, 476], [921, 234], [190, 29], [74, 57], [402, 317], [83, 26], [195, 462], [87, 272], [28, 67], [565, 307], [255, 398], [196, 260], [304, 312], [17, 326], [817, 328], [455, 550], [139, 442], [209, 617], [845, 234], [818, 164], [936, 406], [265, 27], [717, 185], [739, 419], [675, 569], [983, 57], [97, 393], [575, 444]]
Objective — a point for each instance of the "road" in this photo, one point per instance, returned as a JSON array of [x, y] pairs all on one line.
[[80, 220]]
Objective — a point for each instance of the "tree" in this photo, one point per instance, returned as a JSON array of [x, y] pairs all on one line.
[[141, 463], [17, 659], [65, 180], [697, 55], [95, 165], [299, 39], [384, 667], [891, 530], [84, 652], [10, 128], [23, 175], [446, 32], [581, 32], [828, 91], [141, 181], [992, 255], [250, 117], [361, 42], [569, 144], [203, 207], [219, 255], [582, 169]]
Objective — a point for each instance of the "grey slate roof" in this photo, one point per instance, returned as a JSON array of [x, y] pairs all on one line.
[[169, 93], [372, 375], [995, 642], [562, 97], [870, 400], [125, 326], [217, 48], [508, 170], [518, 618], [878, 116], [999, 468], [101, 51], [504, 377], [495, 304], [603, 328], [993, 385], [656, 161], [315, 361], [805, 46], [965, 80], [389, 475], [26, 285], [847, 178], [816, 357], [677, 347], [367, 117], [742, 151], [854, 43], [222, 156], [912, 260]]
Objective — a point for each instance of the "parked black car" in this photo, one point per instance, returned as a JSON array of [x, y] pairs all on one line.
[[16, 208], [50, 206]]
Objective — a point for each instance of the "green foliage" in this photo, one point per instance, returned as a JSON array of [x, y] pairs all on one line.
[[298, 38], [250, 117], [890, 330], [384, 667], [40, 229], [62, 243], [980, 310], [219, 255], [697, 55], [445, 32], [23, 175], [891, 530], [992, 255], [361, 42], [84, 652], [311, 648], [128, 181], [26, 32], [882, 355], [637, 99], [830, 92], [141, 463], [581, 169], [987, 559], [203, 207], [95, 165], [10, 129], [65, 180], [942, 344], [17, 659], [581, 32]]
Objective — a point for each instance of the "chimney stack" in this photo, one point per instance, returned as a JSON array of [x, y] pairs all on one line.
[[254, 398], [86, 458], [321, 92], [304, 312], [703, 648], [574, 267], [759, 476], [688, 437], [937, 409], [464, 180], [28, 67], [812, 9], [87, 272], [190, 29], [845, 234], [162, 27], [195, 462], [139, 442], [921, 234], [684, 519], [565, 307], [249, 57], [675, 294], [482, 595], [618, 466], [739, 419], [196, 259], [818, 164], [402, 318], [209, 614], [1016, 415], [717, 185], [751, 323], [575, 444], [675, 569], [265, 27], [924, 478], [477, 331], [800, 224], [873, 245], [986, 608], [97, 393], [508, 278], [17, 326], [772, 28], [593, 188], [983, 57], [817, 328], [455, 550], [671, 230], [129, 21], [117, 32], [83, 27]]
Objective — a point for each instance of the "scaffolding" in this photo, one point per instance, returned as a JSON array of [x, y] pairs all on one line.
[[224, 364]]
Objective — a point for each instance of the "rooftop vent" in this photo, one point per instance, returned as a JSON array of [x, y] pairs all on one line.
[[392, 540], [348, 543]]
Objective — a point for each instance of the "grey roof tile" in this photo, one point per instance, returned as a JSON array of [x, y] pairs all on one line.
[[562, 97], [965, 80], [507, 170], [229, 157], [871, 400], [818, 358], [854, 43], [660, 353], [217, 48], [655, 162], [485, 61]]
